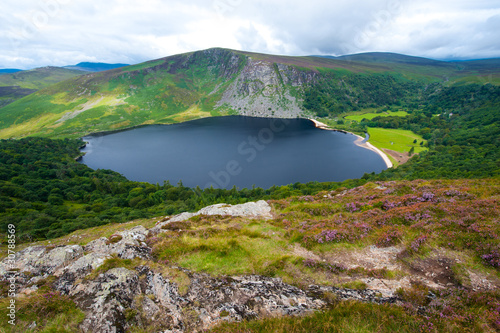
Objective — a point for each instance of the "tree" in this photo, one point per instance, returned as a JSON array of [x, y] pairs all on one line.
[[412, 150]]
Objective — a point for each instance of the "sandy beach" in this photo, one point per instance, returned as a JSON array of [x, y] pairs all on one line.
[[358, 142]]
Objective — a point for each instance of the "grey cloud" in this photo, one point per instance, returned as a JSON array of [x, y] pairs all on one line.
[[131, 31], [330, 28], [250, 39]]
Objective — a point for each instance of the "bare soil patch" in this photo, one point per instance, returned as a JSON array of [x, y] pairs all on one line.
[[401, 158]]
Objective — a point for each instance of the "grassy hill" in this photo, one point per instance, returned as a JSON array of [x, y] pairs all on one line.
[[219, 82], [18, 84], [37, 78]]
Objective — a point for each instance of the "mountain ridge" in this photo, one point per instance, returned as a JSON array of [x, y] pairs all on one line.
[[18, 84], [219, 81], [9, 70], [94, 66]]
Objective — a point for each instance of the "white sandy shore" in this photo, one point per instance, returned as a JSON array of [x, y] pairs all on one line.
[[358, 142]]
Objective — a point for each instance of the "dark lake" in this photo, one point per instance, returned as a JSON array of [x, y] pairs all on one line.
[[235, 150]]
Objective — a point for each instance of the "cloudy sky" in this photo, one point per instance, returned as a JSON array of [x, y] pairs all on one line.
[[36, 33]]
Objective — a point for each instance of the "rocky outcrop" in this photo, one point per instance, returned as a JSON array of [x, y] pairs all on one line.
[[121, 297], [126, 245], [146, 293], [73, 262], [105, 300], [259, 209], [266, 89], [42, 260]]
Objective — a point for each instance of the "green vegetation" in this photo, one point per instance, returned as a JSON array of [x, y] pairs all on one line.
[[463, 140], [343, 317], [38, 78], [17, 85], [371, 115], [189, 86], [348, 316], [169, 90], [419, 215], [451, 221], [47, 194], [398, 140], [217, 246], [51, 311], [336, 93]]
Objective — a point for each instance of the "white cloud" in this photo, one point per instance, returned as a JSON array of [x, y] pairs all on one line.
[[62, 32]]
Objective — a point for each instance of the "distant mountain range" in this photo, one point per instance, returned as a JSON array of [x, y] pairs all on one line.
[[9, 70], [220, 82], [95, 66], [387, 57]]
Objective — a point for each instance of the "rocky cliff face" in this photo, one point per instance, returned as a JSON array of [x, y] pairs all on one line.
[[267, 89], [251, 86]]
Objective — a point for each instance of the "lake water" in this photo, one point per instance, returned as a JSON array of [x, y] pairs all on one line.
[[235, 150]]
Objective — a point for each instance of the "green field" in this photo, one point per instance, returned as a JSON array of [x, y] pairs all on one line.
[[396, 139], [372, 115]]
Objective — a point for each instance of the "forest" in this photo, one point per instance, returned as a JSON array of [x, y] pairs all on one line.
[[462, 126], [335, 93]]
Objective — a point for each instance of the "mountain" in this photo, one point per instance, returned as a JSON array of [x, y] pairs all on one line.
[[220, 82], [9, 70], [95, 66], [393, 58], [37, 78], [403, 63], [16, 85]]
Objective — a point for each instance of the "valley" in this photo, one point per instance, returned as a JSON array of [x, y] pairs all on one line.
[[413, 247]]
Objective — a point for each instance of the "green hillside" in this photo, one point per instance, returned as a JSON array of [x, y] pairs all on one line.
[[38, 78], [219, 82], [14, 86]]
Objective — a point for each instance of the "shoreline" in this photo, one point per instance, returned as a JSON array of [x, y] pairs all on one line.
[[359, 141], [113, 131]]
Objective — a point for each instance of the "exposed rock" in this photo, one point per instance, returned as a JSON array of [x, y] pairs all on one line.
[[154, 300], [246, 297], [78, 269], [371, 257], [263, 88], [41, 260], [131, 244], [105, 300], [259, 209], [167, 300]]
